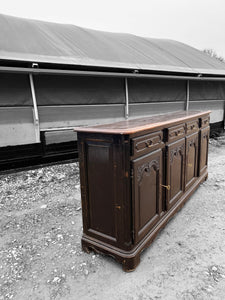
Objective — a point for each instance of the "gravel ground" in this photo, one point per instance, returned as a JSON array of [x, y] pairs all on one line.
[[41, 256]]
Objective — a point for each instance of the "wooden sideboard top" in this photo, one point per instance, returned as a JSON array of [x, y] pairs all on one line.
[[145, 123]]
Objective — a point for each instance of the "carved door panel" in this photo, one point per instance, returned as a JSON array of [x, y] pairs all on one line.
[[175, 172], [203, 151], [146, 189], [191, 165]]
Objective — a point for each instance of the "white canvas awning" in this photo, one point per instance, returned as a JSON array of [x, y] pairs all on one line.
[[44, 42]]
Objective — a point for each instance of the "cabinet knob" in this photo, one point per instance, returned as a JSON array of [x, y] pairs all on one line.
[[166, 186]]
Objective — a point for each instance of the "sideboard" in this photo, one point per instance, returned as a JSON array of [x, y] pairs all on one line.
[[135, 175]]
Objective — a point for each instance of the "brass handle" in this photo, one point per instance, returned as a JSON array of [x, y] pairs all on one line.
[[189, 165], [166, 186], [149, 144]]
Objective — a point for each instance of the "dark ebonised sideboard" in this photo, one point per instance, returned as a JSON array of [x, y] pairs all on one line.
[[135, 175]]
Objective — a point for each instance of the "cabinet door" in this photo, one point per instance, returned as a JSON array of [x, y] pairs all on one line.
[[191, 165], [146, 189], [175, 172], [203, 151]]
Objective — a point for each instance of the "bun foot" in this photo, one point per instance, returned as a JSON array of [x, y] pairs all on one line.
[[130, 264]]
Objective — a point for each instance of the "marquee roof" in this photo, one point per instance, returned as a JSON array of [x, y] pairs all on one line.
[[27, 40]]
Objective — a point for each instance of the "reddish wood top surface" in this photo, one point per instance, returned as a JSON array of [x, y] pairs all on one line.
[[144, 123]]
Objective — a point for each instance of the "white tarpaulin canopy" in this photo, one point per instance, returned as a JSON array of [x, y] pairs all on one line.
[[38, 41]]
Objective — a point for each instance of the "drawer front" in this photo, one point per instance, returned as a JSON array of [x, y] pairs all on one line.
[[192, 127], [176, 132], [205, 121], [146, 143]]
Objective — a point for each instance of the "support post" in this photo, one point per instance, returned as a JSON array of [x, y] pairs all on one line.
[[188, 96], [224, 115], [35, 110], [127, 99]]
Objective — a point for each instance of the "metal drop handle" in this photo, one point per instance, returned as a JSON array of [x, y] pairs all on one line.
[[166, 186]]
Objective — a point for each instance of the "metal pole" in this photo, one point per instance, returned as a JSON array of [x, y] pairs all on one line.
[[35, 110], [188, 96], [127, 99], [224, 116], [108, 74]]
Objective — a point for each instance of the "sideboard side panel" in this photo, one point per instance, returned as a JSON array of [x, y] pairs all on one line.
[[98, 188], [101, 189]]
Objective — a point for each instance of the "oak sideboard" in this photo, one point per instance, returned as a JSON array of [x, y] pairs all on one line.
[[135, 175]]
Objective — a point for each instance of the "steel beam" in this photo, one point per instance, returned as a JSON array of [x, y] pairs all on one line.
[[109, 74]]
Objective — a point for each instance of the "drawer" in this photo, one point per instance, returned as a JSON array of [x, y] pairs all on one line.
[[205, 121], [176, 132], [146, 143], [192, 127]]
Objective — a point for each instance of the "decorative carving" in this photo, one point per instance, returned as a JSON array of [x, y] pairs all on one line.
[[192, 143], [147, 168], [156, 140], [206, 135], [192, 126], [177, 132], [206, 121], [176, 151]]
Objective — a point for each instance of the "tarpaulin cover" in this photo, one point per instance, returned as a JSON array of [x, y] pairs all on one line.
[[15, 90], [156, 90], [207, 90], [70, 90], [37, 41]]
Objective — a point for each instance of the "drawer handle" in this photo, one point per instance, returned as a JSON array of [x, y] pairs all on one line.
[[166, 186], [177, 133], [189, 165], [149, 144]]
